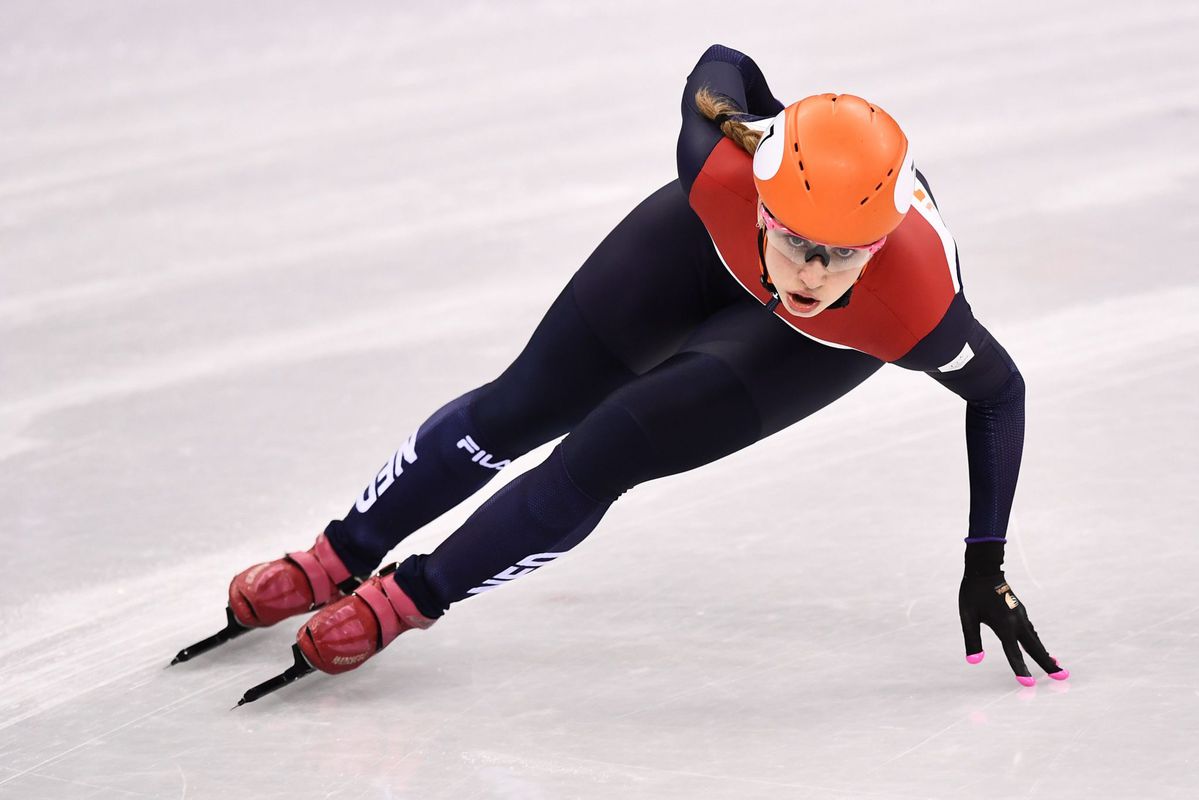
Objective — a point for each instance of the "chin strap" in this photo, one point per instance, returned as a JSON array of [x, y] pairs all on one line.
[[765, 277]]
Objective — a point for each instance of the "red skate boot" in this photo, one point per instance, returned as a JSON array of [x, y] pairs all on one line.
[[267, 593], [297, 583], [342, 636]]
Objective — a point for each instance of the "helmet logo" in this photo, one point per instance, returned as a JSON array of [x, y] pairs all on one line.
[[769, 155], [905, 183]]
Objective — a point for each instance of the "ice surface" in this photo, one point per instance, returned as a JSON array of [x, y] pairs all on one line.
[[244, 248]]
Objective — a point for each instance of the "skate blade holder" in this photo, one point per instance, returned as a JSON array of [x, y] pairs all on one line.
[[297, 670], [232, 630]]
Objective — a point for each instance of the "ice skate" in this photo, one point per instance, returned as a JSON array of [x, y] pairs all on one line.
[[344, 635], [270, 592]]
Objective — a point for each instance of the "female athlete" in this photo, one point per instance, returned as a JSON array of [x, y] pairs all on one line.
[[798, 251]]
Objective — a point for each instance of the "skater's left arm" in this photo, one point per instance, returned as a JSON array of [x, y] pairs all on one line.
[[985, 376]]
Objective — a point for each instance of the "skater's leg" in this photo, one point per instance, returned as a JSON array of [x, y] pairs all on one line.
[[560, 375], [693, 409], [445, 460], [643, 290]]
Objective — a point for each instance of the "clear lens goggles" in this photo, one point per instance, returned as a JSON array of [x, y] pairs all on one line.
[[802, 250]]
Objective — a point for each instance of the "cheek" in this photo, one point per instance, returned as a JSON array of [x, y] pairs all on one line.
[[846, 279], [776, 263]]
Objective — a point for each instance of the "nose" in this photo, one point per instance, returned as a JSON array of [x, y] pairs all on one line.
[[811, 273]]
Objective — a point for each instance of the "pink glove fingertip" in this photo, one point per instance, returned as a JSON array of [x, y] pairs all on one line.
[[975, 658]]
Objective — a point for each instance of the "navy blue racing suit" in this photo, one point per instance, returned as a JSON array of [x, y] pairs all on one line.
[[653, 360]]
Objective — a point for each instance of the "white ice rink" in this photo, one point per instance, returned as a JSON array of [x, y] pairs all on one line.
[[246, 247]]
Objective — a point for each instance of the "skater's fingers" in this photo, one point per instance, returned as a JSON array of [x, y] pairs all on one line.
[[972, 635], [1032, 643], [1011, 648]]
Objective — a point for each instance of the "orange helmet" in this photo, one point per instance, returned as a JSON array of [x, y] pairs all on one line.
[[835, 169]]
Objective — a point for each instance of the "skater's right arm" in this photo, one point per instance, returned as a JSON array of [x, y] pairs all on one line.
[[731, 74]]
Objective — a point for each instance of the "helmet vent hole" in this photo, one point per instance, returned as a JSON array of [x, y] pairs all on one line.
[[880, 185], [807, 185], [801, 165], [890, 171], [864, 199], [796, 146]]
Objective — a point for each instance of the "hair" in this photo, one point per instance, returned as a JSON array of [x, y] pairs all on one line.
[[713, 105]]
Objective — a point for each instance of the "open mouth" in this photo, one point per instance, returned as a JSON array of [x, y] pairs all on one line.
[[802, 301]]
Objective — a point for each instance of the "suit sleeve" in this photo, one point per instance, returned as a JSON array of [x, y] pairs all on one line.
[[963, 356], [727, 72], [993, 389]]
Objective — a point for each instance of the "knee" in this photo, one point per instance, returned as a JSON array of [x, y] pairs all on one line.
[[608, 453], [512, 417]]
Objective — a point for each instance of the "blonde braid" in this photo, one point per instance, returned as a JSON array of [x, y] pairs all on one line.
[[711, 105]]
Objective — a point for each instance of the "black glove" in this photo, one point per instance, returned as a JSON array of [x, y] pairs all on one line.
[[988, 600]]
